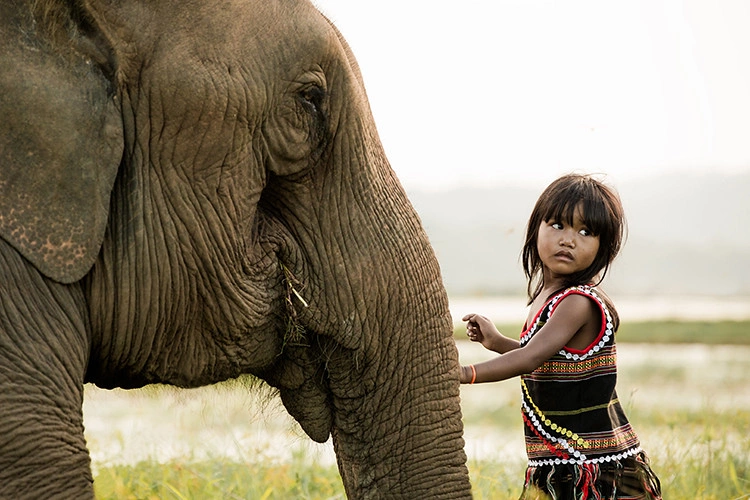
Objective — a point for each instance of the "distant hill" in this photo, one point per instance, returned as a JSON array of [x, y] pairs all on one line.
[[687, 235]]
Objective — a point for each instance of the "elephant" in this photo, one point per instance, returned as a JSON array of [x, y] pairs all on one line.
[[193, 191]]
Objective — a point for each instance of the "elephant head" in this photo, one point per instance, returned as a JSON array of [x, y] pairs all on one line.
[[195, 190]]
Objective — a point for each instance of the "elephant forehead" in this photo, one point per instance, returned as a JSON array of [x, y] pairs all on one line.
[[258, 36]]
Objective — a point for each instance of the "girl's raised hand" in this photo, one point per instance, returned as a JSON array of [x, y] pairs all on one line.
[[480, 329]]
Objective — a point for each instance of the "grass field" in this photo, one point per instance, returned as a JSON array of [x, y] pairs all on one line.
[[689, 403]]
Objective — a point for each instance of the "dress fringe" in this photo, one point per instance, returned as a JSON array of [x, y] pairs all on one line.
[[627, 479]]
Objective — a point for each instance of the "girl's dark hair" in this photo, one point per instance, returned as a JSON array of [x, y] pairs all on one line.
[[602, 214]]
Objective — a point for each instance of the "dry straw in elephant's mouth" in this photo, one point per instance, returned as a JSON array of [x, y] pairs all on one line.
[[295, 334]]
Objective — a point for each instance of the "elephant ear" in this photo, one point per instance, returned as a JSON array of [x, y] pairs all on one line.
[[61, 143]]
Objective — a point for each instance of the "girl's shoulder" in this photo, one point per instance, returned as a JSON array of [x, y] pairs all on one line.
[[579, 302], [587, 300], [596, 297]]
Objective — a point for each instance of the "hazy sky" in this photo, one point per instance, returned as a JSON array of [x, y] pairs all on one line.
[[520, 91]]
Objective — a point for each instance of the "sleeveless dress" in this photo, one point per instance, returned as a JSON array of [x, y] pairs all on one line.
[[579, 442]]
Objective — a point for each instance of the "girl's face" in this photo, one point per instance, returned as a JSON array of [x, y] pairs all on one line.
[[566, 249]]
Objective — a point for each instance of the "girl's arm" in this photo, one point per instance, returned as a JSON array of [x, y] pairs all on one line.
[[575, 316]]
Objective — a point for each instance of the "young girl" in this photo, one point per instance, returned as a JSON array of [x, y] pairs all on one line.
[[578, 439]]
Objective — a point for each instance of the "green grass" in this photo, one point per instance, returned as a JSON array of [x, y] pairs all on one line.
[[712, 468], [217, 479], [662, 332], [686, 332]]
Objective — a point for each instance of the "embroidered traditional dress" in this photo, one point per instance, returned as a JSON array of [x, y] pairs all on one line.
[[579, 442]]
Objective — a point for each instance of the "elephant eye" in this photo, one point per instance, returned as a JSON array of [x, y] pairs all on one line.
[[312, 98]]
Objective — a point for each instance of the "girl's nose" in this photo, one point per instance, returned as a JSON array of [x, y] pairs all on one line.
[[567, 240]]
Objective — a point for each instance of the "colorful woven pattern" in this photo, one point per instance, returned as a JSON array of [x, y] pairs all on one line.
[[570, 406]]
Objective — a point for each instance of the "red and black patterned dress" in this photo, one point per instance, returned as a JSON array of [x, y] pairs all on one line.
[[578, 439]]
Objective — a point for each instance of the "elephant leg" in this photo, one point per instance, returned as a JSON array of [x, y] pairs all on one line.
[[43, 355]]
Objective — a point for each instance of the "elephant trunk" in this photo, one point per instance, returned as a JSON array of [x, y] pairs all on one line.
[[404, 438]]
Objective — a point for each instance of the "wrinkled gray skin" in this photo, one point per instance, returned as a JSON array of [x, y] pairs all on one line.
[[172, 175]]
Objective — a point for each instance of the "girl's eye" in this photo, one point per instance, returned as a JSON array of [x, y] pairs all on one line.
[[556, 225], [584, 232]]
